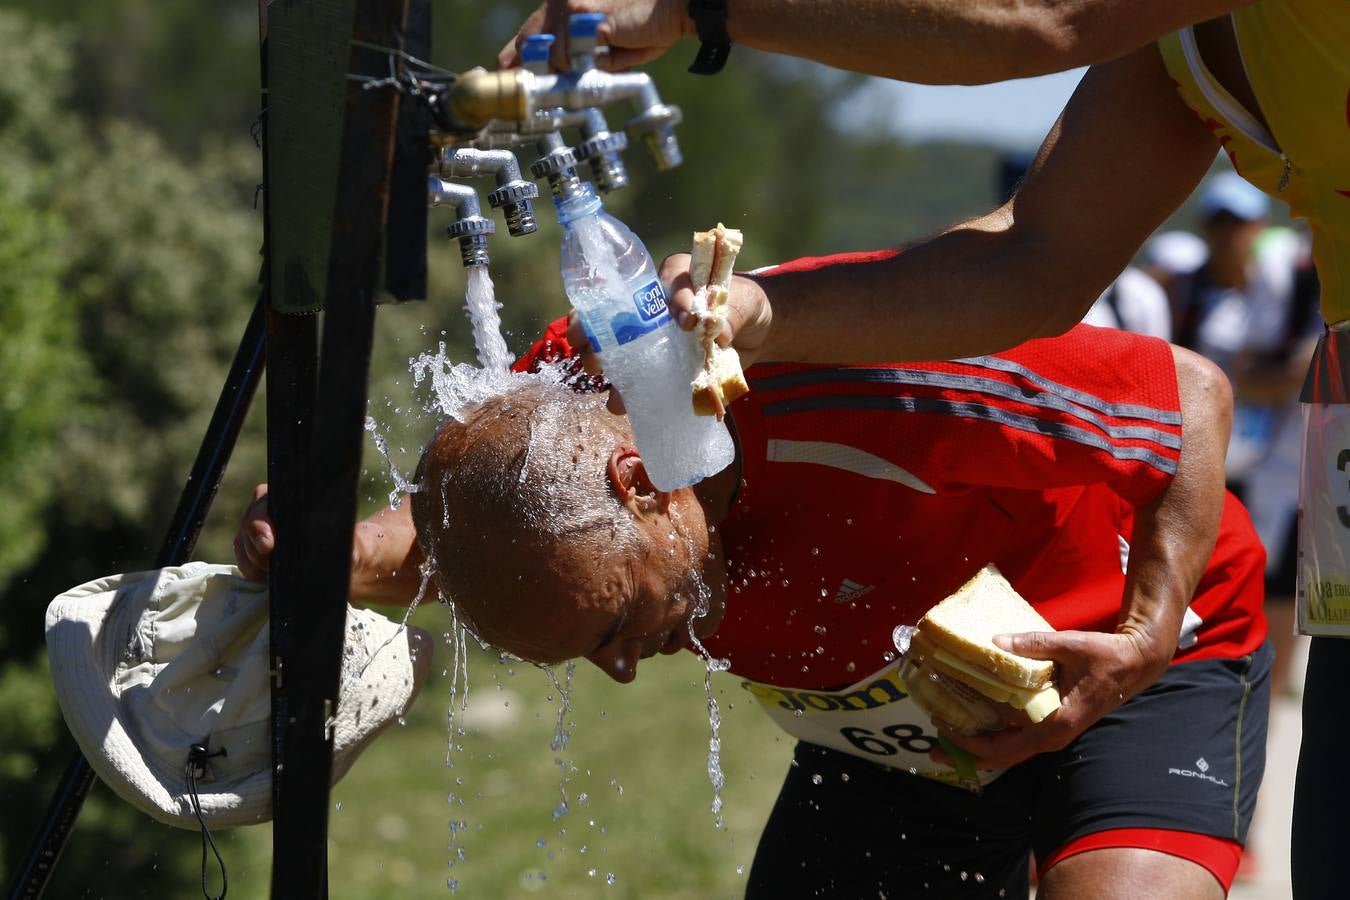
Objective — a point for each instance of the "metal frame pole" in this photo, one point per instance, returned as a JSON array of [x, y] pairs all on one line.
[[314, 465]]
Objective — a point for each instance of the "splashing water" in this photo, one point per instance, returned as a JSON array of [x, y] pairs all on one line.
[[562, 729], [711, 665], [562, 732], [454, 386], [481, 304], [427, 570], [459, 702], [401, 485]]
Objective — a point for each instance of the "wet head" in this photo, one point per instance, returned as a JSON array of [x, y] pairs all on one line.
[[550, 541]]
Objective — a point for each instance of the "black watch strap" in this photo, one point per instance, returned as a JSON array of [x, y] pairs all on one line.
[[710, 20]]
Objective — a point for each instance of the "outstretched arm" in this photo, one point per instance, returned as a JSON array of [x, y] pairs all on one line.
[[926, 41], [1172, 542], [386, 559], [1123, 156]]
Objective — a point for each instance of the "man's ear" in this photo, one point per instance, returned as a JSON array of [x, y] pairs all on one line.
[[633, 486]]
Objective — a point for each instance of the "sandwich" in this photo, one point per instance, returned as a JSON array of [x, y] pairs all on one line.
[[721, 380], [956, 672]]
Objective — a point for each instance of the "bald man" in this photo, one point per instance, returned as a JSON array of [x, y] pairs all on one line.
[[860, 497]]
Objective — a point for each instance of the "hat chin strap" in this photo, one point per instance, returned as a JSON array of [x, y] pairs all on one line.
[[195, 768]]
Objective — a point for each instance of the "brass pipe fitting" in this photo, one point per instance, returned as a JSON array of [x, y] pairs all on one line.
[[478, 96]]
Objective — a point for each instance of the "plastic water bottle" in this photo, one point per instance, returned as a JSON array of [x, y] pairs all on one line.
[[611, 280]]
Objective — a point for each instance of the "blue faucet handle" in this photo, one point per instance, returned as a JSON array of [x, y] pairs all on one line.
[[585, 25], [537, 47], [535, 52]]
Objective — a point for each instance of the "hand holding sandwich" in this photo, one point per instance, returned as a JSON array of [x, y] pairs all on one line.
[[1096, 673]]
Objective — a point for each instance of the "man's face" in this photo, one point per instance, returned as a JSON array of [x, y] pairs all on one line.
[[616, 607]]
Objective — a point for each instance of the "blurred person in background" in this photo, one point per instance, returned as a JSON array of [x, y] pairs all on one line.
[[1168, 256], [1267, 375], [1213, 299]]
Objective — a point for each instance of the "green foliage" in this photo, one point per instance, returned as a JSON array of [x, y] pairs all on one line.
[[40, 371], [125, 276]]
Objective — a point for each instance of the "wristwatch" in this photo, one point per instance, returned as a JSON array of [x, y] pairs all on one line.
[[710, 20]]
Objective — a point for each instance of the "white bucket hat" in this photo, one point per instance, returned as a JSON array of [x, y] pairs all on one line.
[[150, 663]]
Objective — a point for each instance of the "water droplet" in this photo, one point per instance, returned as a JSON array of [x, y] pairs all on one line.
[[816, 778], [843, 776], [590, 872], [820, 629], [337, 807], [815, 551], [851, 666], [610, 878]]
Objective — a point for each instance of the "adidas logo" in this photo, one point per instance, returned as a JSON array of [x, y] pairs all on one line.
[[850, 591]]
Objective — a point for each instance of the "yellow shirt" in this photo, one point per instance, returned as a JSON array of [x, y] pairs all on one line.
[[1297, 57]]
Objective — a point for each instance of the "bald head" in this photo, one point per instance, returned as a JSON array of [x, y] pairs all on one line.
[[515, 504]]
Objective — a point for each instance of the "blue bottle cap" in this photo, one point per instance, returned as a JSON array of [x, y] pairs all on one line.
[[584, 203]]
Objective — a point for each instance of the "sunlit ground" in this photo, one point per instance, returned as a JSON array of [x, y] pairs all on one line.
[[636, 777]]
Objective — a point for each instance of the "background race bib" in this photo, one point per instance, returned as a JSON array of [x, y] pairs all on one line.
[[1324, 521]]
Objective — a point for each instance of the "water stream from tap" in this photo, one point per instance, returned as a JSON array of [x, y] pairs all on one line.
[[481, 304]]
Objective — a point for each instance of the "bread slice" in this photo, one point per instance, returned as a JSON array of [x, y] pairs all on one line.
[[965, 623], [713, 260]]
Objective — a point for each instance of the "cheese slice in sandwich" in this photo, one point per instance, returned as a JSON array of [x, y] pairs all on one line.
[[955, 639]]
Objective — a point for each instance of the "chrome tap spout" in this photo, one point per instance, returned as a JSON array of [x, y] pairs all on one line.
[[471, 228], [514, 195]]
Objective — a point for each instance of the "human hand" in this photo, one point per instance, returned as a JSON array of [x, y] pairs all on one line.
[[254, 541], [1097, 673], [636, 32], [749, 317]]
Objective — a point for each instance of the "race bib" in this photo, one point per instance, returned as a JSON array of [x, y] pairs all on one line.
[[874, 720], [1323, 594], [1324, 522]]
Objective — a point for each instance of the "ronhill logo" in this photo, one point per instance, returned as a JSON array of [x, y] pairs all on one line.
[[1200, 771]]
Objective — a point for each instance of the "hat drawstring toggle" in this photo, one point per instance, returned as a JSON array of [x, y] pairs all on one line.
[[198, 754]]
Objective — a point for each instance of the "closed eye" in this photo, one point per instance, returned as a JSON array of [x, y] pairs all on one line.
[[613, 630]]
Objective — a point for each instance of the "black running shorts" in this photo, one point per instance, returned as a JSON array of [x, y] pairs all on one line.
[[1184, 757]]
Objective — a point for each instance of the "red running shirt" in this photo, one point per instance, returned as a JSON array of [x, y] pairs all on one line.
[[870, 493]]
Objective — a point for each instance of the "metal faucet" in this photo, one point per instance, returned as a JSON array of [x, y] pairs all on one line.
[[469, 103], [470, 227], [514, 194], [599, 146], [557, 162]]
